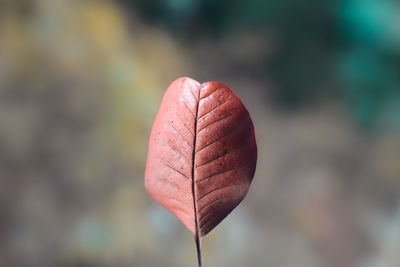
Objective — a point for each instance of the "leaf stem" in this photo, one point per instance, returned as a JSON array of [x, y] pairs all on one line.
[[198, 247]]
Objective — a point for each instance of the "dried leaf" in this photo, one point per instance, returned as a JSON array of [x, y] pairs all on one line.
[[202, 154]]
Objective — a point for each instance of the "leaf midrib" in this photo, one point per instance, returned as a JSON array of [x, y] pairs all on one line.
[[197, 236]]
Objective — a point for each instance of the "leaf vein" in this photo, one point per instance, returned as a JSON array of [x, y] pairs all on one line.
[[209, 204], [193, 95], [219, 105], [184, 125], [220, 138], [179, 133], [218, 188], [177, 152], [175, 169], [204, 97], [223, 155], [220, 119], [187, 107], [209, 218], [221, 172]]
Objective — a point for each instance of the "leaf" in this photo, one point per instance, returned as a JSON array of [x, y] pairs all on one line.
[[202, 154]]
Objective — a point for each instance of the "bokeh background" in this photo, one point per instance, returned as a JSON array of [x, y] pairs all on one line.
[[81, 82]]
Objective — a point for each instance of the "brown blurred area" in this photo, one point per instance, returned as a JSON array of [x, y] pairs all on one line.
[[80, 84]]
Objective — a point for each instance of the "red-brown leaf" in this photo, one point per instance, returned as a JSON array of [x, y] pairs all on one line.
[[202, 153]]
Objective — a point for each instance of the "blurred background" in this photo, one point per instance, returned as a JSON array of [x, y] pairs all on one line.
[[81, 82]]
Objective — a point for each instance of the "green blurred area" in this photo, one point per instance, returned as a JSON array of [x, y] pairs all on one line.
[[81, 82], [348, 50]]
